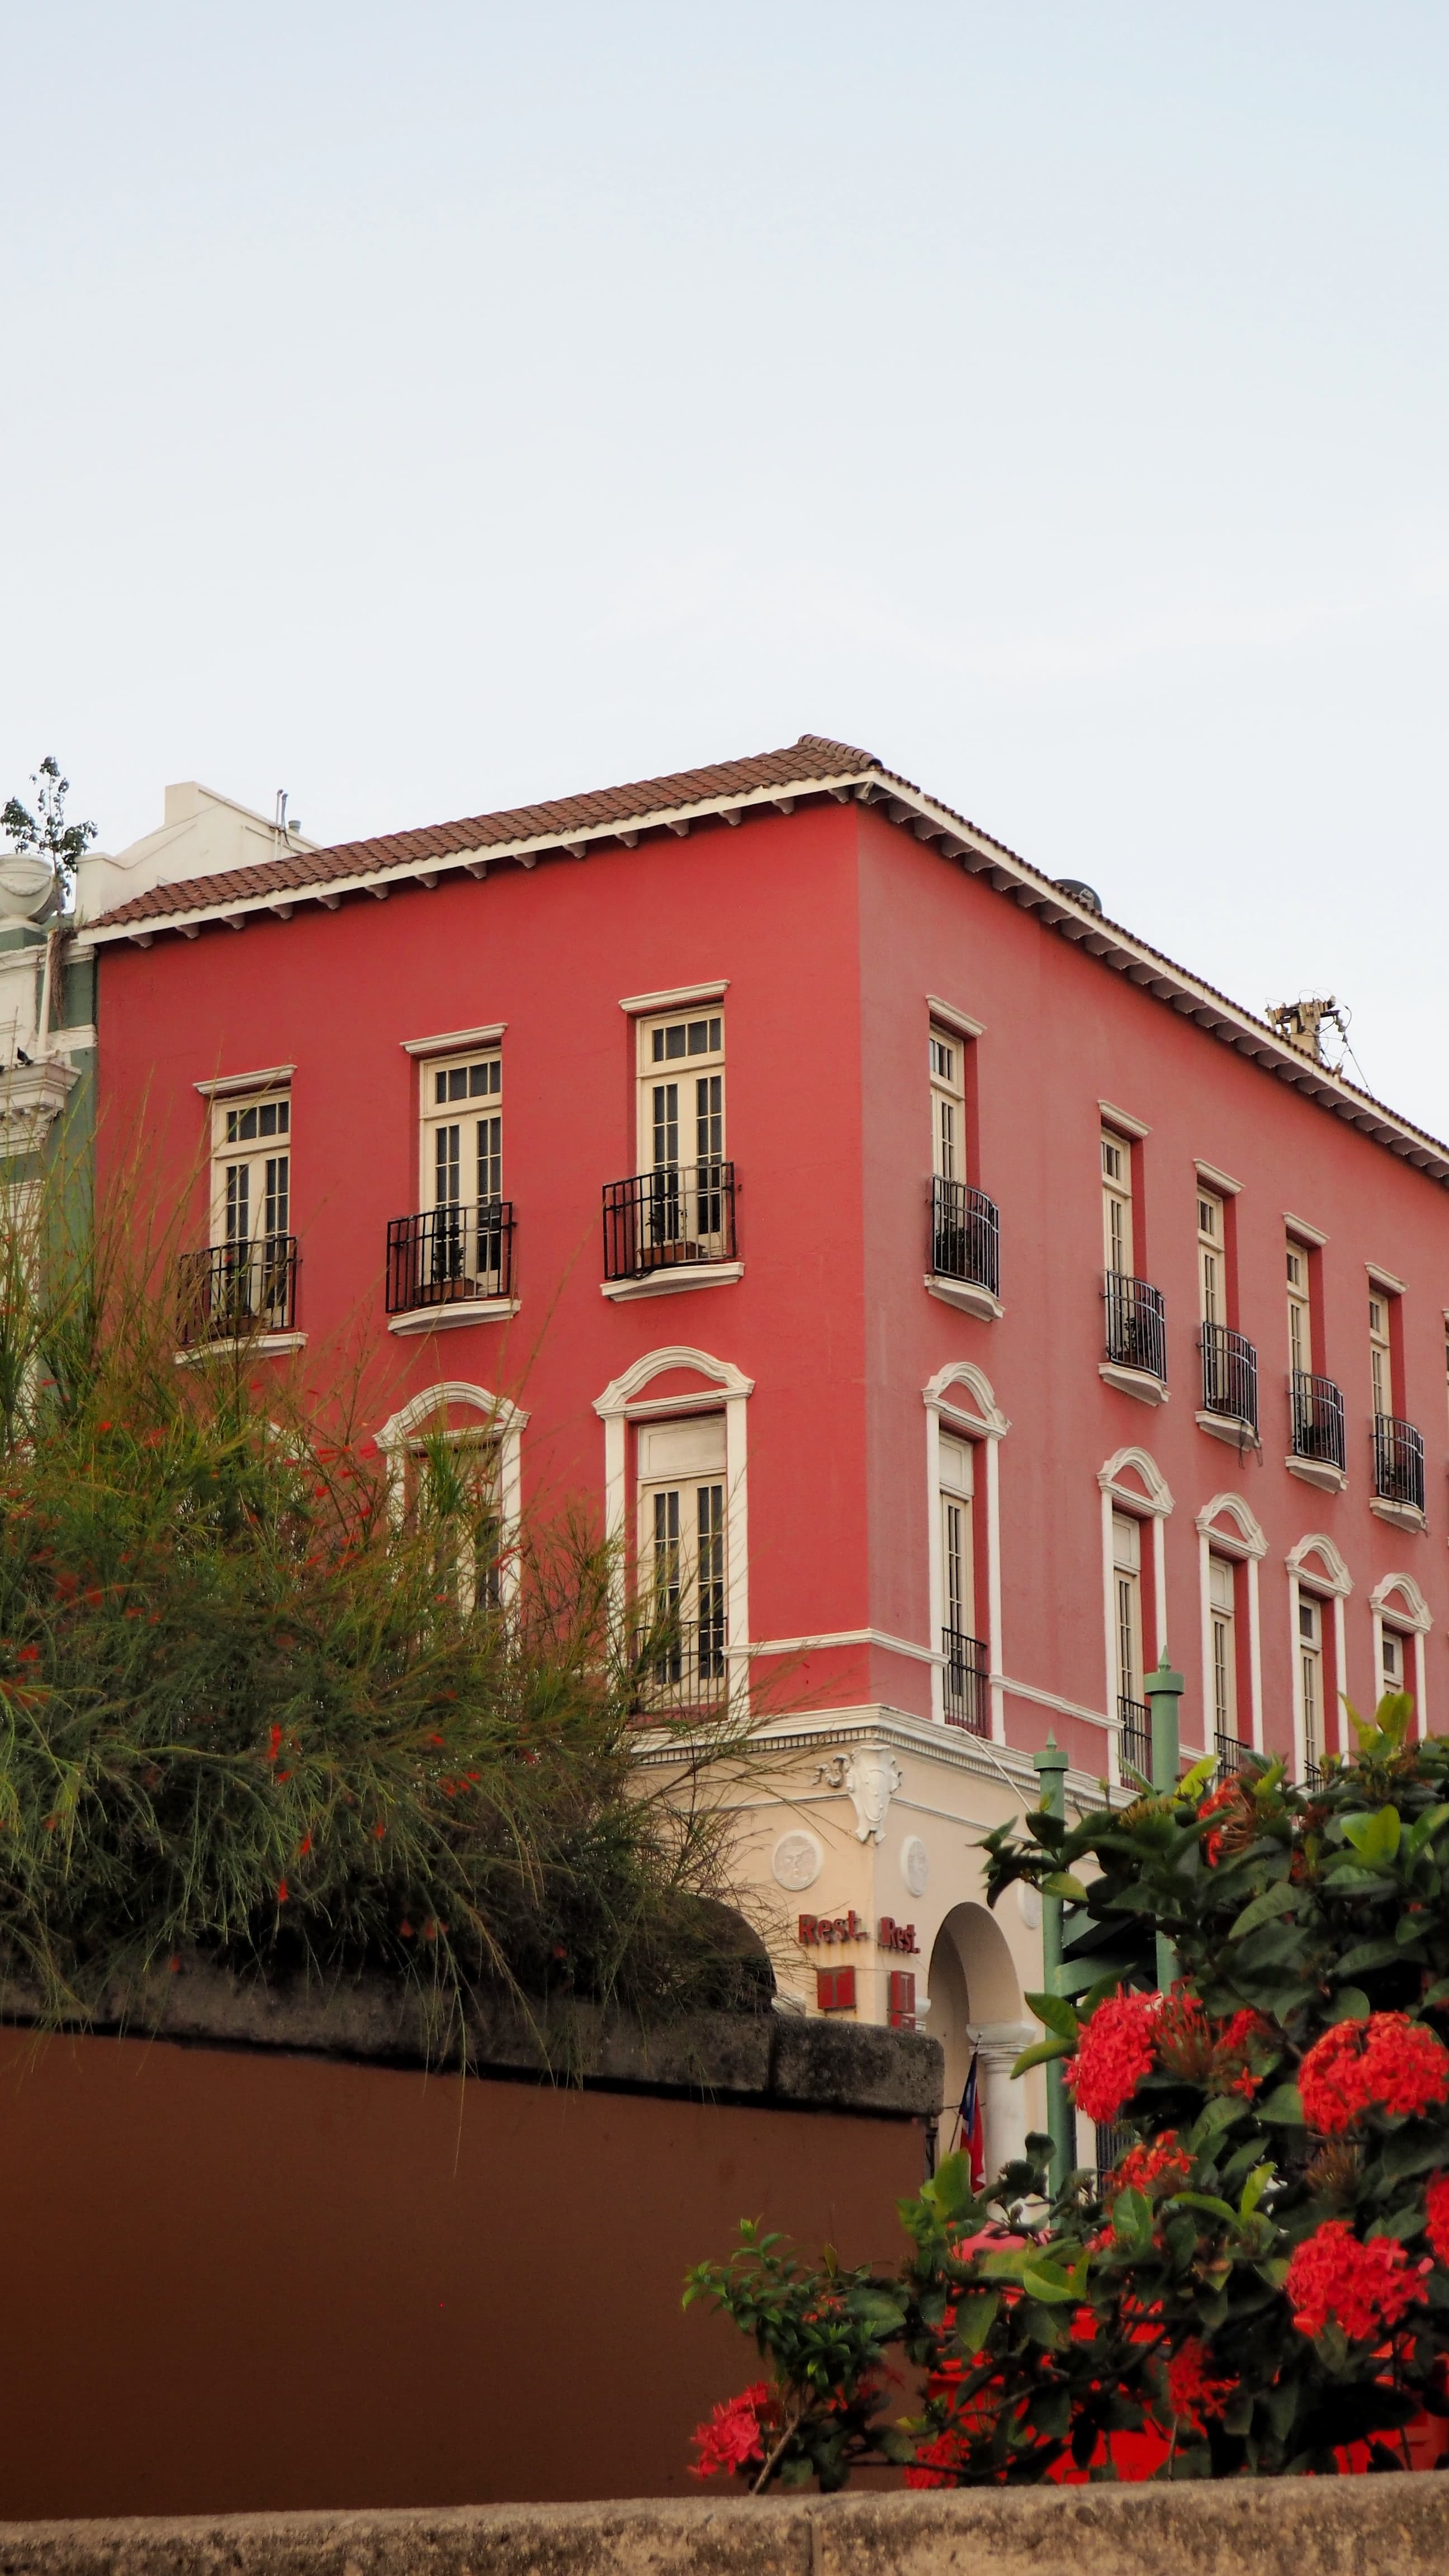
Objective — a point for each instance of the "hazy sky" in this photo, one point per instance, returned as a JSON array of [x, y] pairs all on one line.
[[428, 407]]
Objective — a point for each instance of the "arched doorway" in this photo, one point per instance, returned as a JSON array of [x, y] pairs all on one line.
[[976, 2008]]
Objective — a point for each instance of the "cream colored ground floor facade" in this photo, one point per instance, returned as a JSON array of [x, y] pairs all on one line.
[[859, 1846]]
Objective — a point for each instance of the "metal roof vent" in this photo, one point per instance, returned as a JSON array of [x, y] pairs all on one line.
[[1084, 893]]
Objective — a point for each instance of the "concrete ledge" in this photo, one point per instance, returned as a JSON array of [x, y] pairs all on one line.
[[1379, 2526], [767, 2057]]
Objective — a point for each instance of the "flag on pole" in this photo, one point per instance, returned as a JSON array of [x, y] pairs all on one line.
[[969, 2129]]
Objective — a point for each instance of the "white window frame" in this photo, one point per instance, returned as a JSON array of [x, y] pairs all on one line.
[[1381, 1350], [683, 1069], [500, 1421], [1117, 1191], [1326, 1577], [1227, 1527], [1300, 1302], [235, 1104], [625, 1400], [1408, 1613], [433, 1114], [960, 1400], [1149, 1497], [1212, 1266], [948, 1104]]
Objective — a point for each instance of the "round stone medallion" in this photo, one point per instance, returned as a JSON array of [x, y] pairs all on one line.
[[796, 1860], [915, 1864]]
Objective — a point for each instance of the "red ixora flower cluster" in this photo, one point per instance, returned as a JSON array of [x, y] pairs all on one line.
[[1387, 2063], [1191, 2392], [734, 2435], [1116, 2050], [1163, 2165], [1332, 2278]]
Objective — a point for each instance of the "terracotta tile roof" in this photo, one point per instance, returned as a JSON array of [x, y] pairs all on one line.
[[811, 761]]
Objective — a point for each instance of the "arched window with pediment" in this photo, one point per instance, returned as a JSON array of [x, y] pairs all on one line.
[[1136, 1501], [676, 1509], [1231, 1546], [1401, 1624]]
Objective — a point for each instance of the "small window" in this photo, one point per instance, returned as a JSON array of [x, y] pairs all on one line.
[[948, 1107], [1310, 1675], [1381, 1351], [682, 1562], [1210, 1257], [1116, 1204], [462, 1133], [681, 1114], [1300, 1310], [1393, 1660], [1127, 1605], [251, 1177], [1222, 1640]]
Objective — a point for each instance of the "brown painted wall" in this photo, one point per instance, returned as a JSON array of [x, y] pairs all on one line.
[[236, 2280]]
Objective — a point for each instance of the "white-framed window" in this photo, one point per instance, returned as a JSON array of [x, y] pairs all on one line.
[[1116, 1204], [455, 1481], [681, 1090], [1381, 1349], [1310, 1676], [462, 1131], [461, 1251], [1300, 1309], [958, 1581], [1212, 1300], [1223, 1643], [1393, 1660], [948, 1106], [251, 1169], [1127, 1604], [682, 1583]]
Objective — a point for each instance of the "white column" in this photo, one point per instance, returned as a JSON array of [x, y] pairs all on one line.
[[1114, 1767], [993, 1588], [935, 1584], [1003, 2103], [1340, 1658], [1255, 1654]]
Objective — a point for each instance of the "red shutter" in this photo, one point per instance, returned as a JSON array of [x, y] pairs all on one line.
[[903, 1998], [835, 1989]]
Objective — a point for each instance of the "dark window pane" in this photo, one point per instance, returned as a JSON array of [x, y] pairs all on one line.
[[674, 1040], [698, 1037], [715, 1036], [659, 1046], [440, 1086]]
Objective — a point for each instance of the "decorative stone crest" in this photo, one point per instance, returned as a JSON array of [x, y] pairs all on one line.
[[870, 1778]]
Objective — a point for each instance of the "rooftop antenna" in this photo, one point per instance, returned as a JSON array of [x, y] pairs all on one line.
[[281, 826], [1303, 1023]]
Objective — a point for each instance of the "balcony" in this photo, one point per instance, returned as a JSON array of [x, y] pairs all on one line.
[[965, 1249], [1319, 1450], [450, 1265], [965, 1679], [238, 1292], [1229, 1386], [670, 1228], [685, 1674], [1233, 1756], [1136, 1361], [1398, 1471], [1134, 1737]]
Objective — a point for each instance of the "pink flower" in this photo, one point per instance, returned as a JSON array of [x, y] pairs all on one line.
[[1363, 2288]]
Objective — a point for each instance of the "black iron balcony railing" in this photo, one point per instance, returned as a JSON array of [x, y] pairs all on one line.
[[965, 1235], [1229, 1375], [679, 1213], [233, 1290], [965, 1682], [681, 1672], [1136, 1325], [1398, 1461], [448, 1256], [1134, 1728], [1232, 1755], [1318, 1424]]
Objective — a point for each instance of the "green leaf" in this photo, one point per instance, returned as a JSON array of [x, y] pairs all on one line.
[[1424, 1829], [1375, 1837], [1193, 1782], [1052, 2282], [1350, 2004], [1219, 2113], [1281, 1899], [1057, 2015], [1205, 2200], [1132, 2219], [1283, 2108], [1254, 2188], [1041, 2053], [975, 2318], [1061, 1883], [1368, 1954], [877, 2311]]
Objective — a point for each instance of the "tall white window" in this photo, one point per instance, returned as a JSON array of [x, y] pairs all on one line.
[[1393, 1660], [1222, 1608], [454, 1483], [461, 1251], [682, 1559], [948, 1106], [1381, 1350], [1127, 1602], [1212, 1300], [682, 1135], [958, 1591], [1116, 1204], [250, 1267], [1300, 1310], [1310, 1672]]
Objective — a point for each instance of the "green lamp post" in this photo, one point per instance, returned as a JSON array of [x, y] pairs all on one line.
[[1051, 1766], [1164, 1689]]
